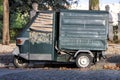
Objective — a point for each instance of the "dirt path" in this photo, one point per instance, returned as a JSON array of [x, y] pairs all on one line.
[[7, 49]]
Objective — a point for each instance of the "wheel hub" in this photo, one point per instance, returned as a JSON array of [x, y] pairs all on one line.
[[83, 61]]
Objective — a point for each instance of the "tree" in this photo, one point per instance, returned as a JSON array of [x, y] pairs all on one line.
[[93, 4], [6, 37], [25, 5]]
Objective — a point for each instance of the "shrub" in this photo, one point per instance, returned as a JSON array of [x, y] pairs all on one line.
[[17, 22]]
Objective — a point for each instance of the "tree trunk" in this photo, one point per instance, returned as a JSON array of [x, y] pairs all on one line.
[[93, 4], [6, 37]]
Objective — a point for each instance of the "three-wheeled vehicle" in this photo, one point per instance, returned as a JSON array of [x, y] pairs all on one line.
[[79, 36]]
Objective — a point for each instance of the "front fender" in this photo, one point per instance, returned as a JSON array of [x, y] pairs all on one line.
[[16, 51]]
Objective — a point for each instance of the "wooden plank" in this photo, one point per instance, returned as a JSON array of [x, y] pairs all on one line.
[[45, 14], [44, 18], [41, 23], [42, 29], [47, 18]]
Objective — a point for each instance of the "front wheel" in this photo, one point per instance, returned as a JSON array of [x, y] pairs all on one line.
[[83, 60], [20, 62]]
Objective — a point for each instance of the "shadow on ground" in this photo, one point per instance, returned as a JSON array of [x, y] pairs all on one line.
[[54, 65], [110, 59], [6, 59], [113, 59]]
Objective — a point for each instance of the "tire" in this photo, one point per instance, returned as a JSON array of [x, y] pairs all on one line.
[[84, 60], [20, 62]]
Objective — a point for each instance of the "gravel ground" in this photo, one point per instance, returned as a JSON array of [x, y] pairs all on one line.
[[56, 74], [5, 71], [7, 49]]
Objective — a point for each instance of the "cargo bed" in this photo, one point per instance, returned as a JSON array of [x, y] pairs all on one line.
[[83, 30]]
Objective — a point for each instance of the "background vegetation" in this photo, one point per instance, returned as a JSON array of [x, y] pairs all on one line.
[[19, 12]]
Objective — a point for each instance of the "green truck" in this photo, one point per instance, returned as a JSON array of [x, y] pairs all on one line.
[[78, 36]]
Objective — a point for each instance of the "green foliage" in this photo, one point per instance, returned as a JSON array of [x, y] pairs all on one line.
[[17, 22], [1, 10], [24, 6], [115, 31], [0, 29]]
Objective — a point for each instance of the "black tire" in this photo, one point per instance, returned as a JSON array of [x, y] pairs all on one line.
[[84, 60], [20, 62]]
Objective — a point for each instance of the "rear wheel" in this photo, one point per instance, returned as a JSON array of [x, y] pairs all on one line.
[[83, 60], [20, 62]]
